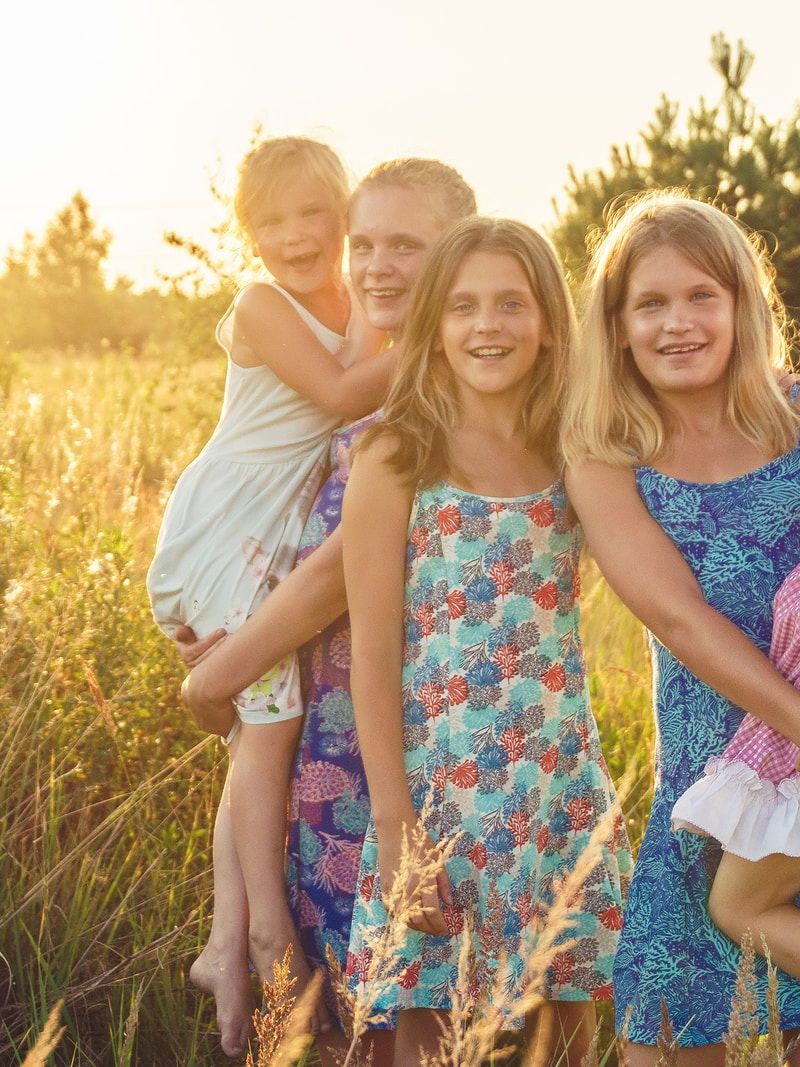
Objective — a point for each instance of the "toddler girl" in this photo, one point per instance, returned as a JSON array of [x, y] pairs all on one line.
[[233, 522]]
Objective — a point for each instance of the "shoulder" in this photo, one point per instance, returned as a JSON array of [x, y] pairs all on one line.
[[376, 453], [594, 474], [262, 298]]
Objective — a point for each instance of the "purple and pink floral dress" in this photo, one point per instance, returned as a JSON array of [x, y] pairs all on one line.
[[329, 799]]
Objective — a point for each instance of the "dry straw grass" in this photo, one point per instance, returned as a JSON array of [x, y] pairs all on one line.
[[106, 794]]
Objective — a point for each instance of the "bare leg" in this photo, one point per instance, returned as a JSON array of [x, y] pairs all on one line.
[[378, 1044], [221, 969], [262, 757], [759, 896], [418, 1031], [560, 1032], [649, 1056]]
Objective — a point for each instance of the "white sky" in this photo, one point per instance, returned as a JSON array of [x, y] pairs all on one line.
[[134, 102]]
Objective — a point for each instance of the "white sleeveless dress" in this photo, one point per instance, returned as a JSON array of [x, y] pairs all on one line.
[[233, 522]]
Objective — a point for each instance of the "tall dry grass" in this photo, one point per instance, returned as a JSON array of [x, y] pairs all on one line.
[[107, 793]]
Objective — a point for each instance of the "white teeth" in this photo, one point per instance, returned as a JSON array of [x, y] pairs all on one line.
[[486, 352], [671, 350], [384, 292]]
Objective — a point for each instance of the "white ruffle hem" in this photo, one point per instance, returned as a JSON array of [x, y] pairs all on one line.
[[749, 816]]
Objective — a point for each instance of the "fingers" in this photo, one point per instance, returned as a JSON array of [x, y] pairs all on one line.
[[428, 919], [185, 634], [193, 651], [444, 886]]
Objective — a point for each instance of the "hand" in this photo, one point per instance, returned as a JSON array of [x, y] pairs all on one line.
[[212, 716], [788, 379], [365, 338], [427, 885], [190, 649]]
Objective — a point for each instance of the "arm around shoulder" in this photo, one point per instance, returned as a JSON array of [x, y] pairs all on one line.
[[652, 578], [376, 510]]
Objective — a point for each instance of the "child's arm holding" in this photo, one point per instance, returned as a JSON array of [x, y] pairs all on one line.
[[305, 602], [375, 529], [268, 330], [652, 578]]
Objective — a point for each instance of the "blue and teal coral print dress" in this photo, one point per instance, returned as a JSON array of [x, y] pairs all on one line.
[[741, 539], [499, 734]]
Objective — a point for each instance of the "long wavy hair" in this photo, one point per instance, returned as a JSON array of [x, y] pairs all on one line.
[[422, 408], [612, 414]]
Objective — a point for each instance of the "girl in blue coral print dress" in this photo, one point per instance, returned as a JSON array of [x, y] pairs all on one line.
[[455, 522], [677, 417]]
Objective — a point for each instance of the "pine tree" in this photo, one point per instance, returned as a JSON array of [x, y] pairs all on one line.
[[726, 153]]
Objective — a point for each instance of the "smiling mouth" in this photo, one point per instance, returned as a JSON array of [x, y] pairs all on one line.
[[489, 352], [298, 262], [384, 294], [680, 350]]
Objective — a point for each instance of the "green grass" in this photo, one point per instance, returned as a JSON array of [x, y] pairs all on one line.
[[107, 793]]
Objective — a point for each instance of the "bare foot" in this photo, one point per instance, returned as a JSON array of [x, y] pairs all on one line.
[[269, 948], [230, 984]]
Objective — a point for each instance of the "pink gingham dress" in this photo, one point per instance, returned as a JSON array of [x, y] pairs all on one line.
[[749, 797]]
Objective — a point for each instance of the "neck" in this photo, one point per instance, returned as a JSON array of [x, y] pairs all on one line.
[[496, 415], [330, 303], [703, 412]]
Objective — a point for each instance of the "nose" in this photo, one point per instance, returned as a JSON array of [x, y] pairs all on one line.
[[380, 264], [678, 318], [487, 321], [294, 232]]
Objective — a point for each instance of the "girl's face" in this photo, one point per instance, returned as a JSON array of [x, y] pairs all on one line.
[[300, 238], [678, 322], [492, 326], [391, 229]]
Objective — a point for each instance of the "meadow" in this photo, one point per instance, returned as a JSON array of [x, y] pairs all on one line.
[[107, 792]]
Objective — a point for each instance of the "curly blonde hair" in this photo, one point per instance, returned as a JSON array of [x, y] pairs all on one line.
[[271, 164]]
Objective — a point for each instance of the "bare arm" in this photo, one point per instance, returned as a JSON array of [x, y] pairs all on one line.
[[305, 602], [268, 330], [651, 577], [375, 525]]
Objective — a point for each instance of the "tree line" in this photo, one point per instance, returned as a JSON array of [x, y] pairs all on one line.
[[53, 291]]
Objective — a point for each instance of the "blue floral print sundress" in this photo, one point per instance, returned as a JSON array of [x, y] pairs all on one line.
[[329, 801], [741, 538], [498, 731]]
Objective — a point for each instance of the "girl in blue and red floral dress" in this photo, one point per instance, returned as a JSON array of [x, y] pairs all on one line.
[[455, 523]]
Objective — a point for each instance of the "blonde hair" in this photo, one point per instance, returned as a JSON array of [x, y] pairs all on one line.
[[422, 409], [268, 168], [449, 195], [611, 413]]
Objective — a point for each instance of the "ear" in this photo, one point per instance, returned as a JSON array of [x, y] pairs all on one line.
[[437, 345], [620, 334]]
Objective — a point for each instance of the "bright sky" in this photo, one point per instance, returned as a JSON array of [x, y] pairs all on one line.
[[134, 101]]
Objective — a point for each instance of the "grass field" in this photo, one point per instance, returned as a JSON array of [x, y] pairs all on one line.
[[106, 792]]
